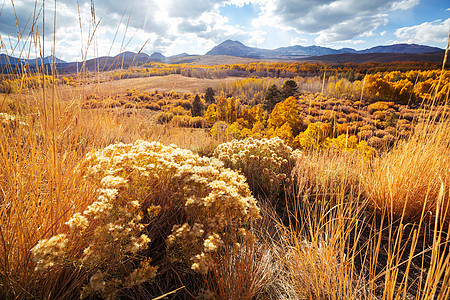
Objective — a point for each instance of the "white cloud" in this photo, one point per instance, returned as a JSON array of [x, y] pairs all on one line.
[[256, 38], [195, 26], [367, 34], [166, 23], [347, 30], [405, 4], [427, 32], [298, 41], [241, 3], [332, 20]]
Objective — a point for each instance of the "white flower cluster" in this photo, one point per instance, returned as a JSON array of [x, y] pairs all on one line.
[[267, 163], [137, 183], [8, 120], [48, 252]]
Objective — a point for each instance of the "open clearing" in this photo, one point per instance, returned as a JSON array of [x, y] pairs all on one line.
[[177, 83]]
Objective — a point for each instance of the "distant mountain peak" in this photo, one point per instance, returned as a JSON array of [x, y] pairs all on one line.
[[129, 54], [226, 42], [180, 54], [234, 48], [157, 57]]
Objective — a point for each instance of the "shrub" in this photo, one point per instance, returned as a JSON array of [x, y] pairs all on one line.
[[389, 139], [376, 142], [178, 111], [164, 117], [181, 121], [314, 137], [91, 96], [148, 191], [365, 134], [380, 115], [186, 104], [129, 105], [110, 103], [174, 95], [197, 122], [176, 103], [379, 106], [152, 106], [267, 163], [92, 104], [381, 133]]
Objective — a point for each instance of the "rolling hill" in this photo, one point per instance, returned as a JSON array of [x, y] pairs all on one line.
[[433, 57]]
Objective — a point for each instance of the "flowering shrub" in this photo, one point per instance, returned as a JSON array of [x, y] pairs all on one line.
[[267, 163], [205, 205]]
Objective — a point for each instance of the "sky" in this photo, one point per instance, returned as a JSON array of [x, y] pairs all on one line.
[[75, 29]]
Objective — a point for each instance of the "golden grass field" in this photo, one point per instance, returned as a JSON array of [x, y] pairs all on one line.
[[86, 209], [168, 83]]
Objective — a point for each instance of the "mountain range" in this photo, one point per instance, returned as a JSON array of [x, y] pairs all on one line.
[[231, 51], [236, 48], [6, 59]]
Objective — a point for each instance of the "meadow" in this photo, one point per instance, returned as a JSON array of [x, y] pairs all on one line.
[[226, 182]]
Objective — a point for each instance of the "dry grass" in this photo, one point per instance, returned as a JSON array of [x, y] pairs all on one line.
[[409, 181], [357, 230], [352, 235], [319, 248], [374, 230], [333, 249], [245, 272], [167, 83], [40, 189]]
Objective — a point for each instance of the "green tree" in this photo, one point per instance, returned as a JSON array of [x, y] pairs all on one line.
[[289, 89], [197, 107], [271, 98], [209, 95]]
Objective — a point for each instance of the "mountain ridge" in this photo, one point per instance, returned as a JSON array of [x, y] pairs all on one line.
[[236, 48]]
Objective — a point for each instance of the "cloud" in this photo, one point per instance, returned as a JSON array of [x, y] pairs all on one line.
[[127, 25], [175, 26], [192, 8], [192, 27], [256, 38], [298, 41], [332, 20], [405, 4], [349, 29], [427, 32], [118, 22]]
